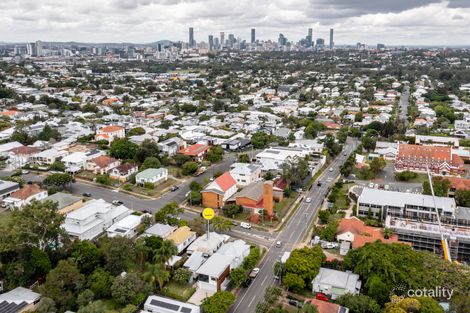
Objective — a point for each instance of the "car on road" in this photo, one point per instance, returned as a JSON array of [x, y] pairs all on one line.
[[345, 154], [115, 190], [118, 202], [174, 188], [24, 172], [371, 185], [234, 223], [247, 282], [254, 272], [278, 244], [308, 200], [319, 184], [245, 225], [331, 169], [86, 194]]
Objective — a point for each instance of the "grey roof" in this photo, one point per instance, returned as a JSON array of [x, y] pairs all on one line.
[[252, 191], [63, 199], [8, 186], [400, 199], [215, 265], [338, 279], [462, 213], [151, 172], [160, 230], [19, 295], [164, 305], [194, 261]]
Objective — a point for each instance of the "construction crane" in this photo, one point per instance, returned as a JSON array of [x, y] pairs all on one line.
[[445, 244]]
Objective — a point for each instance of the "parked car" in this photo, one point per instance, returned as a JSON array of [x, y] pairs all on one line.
[[319, 184], [371, 185], [247, 282], [322, 297], [174, 188], [308, 200], [386, 187], [118, 202], [86, 194], [295, 303], [278, 244], [24, 172], [245, 225], [254, 272], [331, 169]]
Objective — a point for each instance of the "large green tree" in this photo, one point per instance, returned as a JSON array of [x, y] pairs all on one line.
[[128, 289], [440, 185], [305, 263], [219, 302], [123, 149]]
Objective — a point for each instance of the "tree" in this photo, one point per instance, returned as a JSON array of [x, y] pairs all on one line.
[[57, 166], [462, 197], [136, 131], [388, 232], [237, 276], [460, 303], [221, 224], [405, 175], [123, 149], [166, 251], [295, 172], [293, 282], [195, 197], [62, 283], [272, 294], [87, 256], [190, 168], [359, 303], [47, 133], [46, 305], [100, 282], [377, 289], [231, 209], [440, 185], [85, 297], [195, 186], [260, 140], [181, 159], [182, 276], [219, 302], [305, 263], [59, 180], [118, 253], [215, 154], [35, 225], [368, 143], [128, 289], [148, 148], [103, 179], [262, 307], [168, 214], [151, 162], [93, 307], [243, 158], [377, 165], [309, 308], [429, 305], [156, 274]]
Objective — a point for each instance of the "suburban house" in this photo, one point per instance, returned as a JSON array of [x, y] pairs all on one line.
[[207, 246], [101, 164], [151, 175], [46, 157], [66, 202], [25, 196], [93, 218], [110, 133], [6, 147], [7, 188], [354, 230], [127, 227], [273, 158], [157, 304], [335, 283], [18, 157], [197, 152], [213, 275], [245, 174], [457, 183], [172, 146], [182, 238], [124, 171], [77, 160], [236, 144], [257, 196], [439, 159], [159, 230], [217, 192], [237, 249], [19, 300], [436, 140], [327, 307]]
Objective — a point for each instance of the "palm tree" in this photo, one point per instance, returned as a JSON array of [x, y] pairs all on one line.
[[156, 273], [141, 251], [165, 252], [221, 224]]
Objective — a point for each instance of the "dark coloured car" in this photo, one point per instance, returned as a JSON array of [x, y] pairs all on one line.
[[295, 303], [174, 188], [86, 194], [247, 282]]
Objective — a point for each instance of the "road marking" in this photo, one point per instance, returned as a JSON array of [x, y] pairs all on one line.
[[264, 280], [251, 302]]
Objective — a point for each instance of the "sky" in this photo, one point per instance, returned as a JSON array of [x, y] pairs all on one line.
[[392, 22]]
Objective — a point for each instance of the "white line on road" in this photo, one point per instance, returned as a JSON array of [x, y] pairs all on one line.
[[264, 280], [251, 302]]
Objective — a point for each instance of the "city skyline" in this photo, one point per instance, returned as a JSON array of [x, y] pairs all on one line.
[[415, 22]]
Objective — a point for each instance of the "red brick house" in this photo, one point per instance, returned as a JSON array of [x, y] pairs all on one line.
[[439, 160], [197, 152]]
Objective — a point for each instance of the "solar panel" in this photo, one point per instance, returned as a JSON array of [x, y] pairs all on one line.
[[165, 305], [186, 310], [120, 230]]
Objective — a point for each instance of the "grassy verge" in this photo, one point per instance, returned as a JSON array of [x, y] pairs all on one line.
[[4, 218], [157, 191], [177, 291]]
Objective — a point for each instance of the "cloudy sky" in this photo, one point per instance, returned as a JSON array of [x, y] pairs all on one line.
[[393, 22]]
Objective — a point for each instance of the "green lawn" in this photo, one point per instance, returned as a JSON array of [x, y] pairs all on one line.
[[422, 177], [342, 201], [281, 208], [158, 190], [177, 291], [4, 217]]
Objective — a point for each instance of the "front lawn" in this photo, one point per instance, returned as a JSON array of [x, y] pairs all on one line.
[[177, 291], [157, 191]]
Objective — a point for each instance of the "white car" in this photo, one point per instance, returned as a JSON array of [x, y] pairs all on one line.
[[371, 185], [278, 244], [308, 200], [245, 225]]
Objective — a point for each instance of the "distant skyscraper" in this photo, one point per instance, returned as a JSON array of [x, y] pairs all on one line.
[[320, 43], [332, 43], [31, 49], [282, 41], [253, 35], [222, 40], [39, 48], [310, 37], [211, 42], [216, 43], [191, 38], [380, 46], [231, 40]]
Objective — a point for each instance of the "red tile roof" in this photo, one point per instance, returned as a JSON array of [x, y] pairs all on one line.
[[195, 149], [331, 125], [432, 153], [459, 183], [103, 161], [225, 181], [26, 192], [25, 150], [111, 129], [362, 233], [323, 306]]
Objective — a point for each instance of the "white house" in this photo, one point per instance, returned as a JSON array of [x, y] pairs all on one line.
[[207, 246], [336, 283], [159, 230], [110, 133], [151, 175], [273, 158], [245, 174], [46, 157], [127, 227], [92, 219], [237, 249], [25, 196], [157, 304], [172, 146], [311, 145], [213, 275]]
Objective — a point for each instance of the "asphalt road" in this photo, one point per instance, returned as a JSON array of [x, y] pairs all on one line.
[[292, 234], [403, 105]]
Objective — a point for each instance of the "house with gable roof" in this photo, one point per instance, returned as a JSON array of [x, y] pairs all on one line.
[[219, 191]]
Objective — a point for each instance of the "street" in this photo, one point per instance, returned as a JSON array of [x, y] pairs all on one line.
[[292, 234], [403, 105]]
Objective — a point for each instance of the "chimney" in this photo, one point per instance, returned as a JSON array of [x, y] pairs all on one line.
[[268, 200]]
